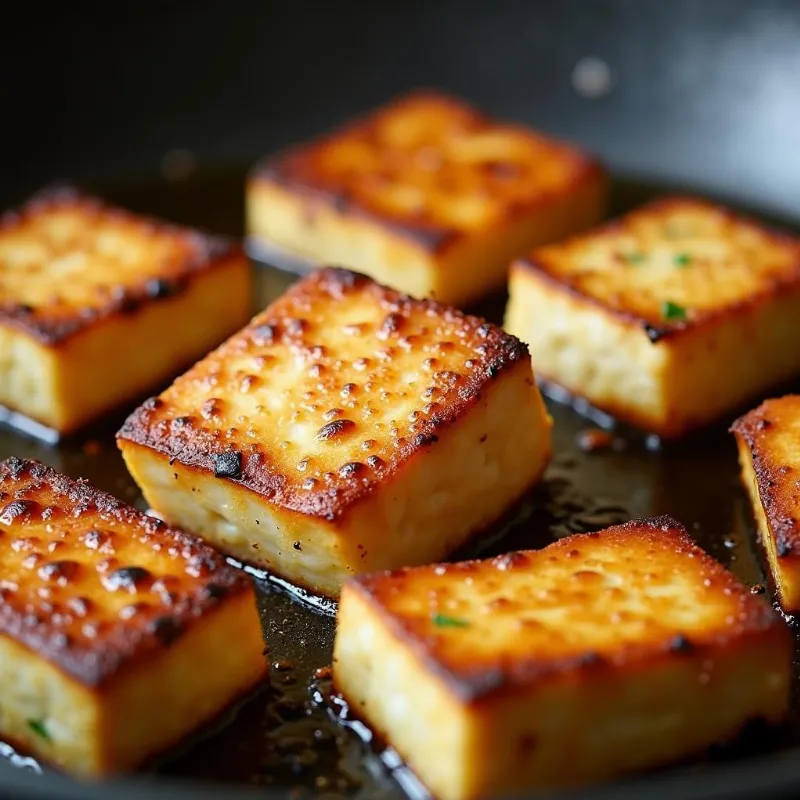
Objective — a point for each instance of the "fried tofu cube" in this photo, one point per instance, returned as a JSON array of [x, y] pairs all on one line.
[[601, 654], [347, 429], [768, 439], [427, 195], [118, 635], [668, 318], [98, 305]]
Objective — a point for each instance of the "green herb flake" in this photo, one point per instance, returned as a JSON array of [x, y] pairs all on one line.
[[682, 260], [672, 311], [38, 727], [443, 621], [633, 258]]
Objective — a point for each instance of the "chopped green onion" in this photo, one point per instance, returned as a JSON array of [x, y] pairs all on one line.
[[673, 311], [448, 622], [38, 727], [683, 260]]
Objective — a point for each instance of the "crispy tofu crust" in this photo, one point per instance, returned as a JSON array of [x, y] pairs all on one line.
[[632, 315], [82, 282], [433, 172], [68, 259], [332, 401], [677, 250], [103, 555], [768, 439], [104, 601], [338, 391], [597, 655]]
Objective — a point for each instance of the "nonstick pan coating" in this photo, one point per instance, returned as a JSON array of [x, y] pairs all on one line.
[[285, 739]]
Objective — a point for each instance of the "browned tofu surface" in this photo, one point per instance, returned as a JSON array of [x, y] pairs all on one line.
[[464, 192], [98, 305], [670, 317], [769, 453], [601, 654], [699, 257], [102, 612], [68, 259], [369, 428]]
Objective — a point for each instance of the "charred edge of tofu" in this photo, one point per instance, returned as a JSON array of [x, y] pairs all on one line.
[[142, 634], [203, 251], [753, 429], [293, 169], [180, 439], [478, 686], [662, 330]]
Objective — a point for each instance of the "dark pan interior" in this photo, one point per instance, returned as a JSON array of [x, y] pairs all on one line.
[[285, 738]]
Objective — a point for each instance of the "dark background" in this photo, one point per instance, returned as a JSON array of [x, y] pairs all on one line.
[[704, 93]]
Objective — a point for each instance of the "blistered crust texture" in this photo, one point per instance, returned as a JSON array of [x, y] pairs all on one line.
[[600, 655], [638, 592], [769, 442], [431, 167], [327, 393], [91, 584], [68, 260], [673, 264]]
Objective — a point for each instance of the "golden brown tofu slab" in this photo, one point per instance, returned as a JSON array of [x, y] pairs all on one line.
[[348, 428], [601, 654], [427, 195], [668, 318], [105, 616], [769, 453], [87, 292]]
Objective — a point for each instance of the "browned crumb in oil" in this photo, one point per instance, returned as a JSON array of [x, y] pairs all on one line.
[[323, 673], [92, 448], [595, 440]]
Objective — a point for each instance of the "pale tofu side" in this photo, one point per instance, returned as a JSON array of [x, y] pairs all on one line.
[[768, 440], [410, 430], [105, 615], [600, 655], [426, 195], [82, 284], [668, 318]]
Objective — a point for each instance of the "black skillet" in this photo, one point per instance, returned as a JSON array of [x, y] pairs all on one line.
[[161, 105]]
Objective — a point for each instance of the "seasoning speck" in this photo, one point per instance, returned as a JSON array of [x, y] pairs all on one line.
[[443, 621], [39, 728], [672, 311]]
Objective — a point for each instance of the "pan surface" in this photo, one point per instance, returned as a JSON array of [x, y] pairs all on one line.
[[702, 96], [286, 738]]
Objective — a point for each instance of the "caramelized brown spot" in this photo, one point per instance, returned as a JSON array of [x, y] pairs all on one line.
[[17, 509], [128, 579], [61, 571], [350, 469], [393, 323], [211, 408], [264, 335], [335, 429], [228, 464]]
